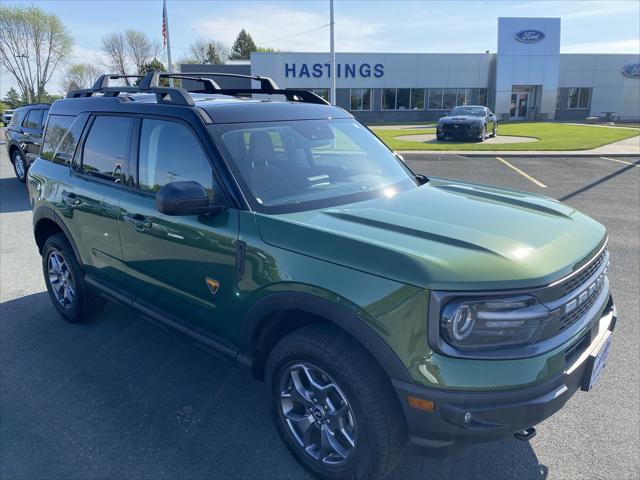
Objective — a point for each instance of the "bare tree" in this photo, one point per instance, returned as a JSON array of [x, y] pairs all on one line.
[[114, 46], [33, 43], [207, 52], [139, 48], [80, 75]]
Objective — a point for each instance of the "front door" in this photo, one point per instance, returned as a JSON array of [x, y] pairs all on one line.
[[183, 266], [519, 104]]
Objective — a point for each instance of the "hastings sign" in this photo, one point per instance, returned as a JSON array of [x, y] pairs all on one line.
[[631, 70], [529, 36]]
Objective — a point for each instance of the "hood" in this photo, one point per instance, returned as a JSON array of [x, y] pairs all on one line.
[[461, 119], [445, 235]]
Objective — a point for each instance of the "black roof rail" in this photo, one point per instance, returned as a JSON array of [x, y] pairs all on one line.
[[103, 80], [150, 83], [266, 83]]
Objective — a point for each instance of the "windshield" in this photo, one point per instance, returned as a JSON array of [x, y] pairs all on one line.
[[474, 111], [302, 165]]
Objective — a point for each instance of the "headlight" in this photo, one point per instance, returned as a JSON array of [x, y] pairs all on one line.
[[472, 324]]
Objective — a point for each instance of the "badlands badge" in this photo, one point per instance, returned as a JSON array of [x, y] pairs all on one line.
[[213, 285]]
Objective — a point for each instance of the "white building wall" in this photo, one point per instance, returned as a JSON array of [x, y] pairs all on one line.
[[400, 70], [612, 91]]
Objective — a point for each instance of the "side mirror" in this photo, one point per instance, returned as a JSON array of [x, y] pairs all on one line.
[[185, 198]]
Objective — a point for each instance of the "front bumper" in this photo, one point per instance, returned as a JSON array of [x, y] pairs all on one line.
[[494, 415], [459, 131]]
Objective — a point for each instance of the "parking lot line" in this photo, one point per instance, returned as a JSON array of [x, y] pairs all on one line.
[[620, 161], [524, 174]]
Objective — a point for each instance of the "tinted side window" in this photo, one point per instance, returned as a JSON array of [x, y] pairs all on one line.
[[17, 117], [61, 138], [106, 149], [170, 152], [33, 120]]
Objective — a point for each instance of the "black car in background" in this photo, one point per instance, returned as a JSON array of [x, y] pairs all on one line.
[[24, 136], [473, 122]]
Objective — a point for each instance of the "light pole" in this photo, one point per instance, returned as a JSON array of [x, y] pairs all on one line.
[[332, 94]]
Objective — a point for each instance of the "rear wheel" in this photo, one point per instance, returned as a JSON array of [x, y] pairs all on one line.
[[63, 276], [334, 408], [495, 130], [19, 165]]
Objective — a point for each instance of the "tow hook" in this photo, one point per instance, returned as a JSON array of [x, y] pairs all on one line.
[[526, 434]]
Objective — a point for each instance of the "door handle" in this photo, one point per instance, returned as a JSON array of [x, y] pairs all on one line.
[[71, 198], [140, 222]]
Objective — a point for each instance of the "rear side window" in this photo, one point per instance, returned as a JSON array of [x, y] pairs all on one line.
[[106, 149], [34, 119], [170, 152], [17, 117], [61, 138]]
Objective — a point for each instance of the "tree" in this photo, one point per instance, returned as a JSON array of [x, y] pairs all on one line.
[[266, 50], [114, 46], [33, 43], [139, 48], [242, 47], [207, 52], [12, 98], [80, 75], [154, 65]]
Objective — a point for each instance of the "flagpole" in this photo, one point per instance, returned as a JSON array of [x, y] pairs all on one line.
[[166, 21]]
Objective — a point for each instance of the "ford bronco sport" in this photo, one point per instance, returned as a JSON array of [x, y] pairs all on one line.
[[380, 307]]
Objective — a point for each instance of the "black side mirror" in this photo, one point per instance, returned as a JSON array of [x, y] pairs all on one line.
[[185, 198]]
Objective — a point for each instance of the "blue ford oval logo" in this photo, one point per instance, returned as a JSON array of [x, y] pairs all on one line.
[[529, 36], [631, 70]]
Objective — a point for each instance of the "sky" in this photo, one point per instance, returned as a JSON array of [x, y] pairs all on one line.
[[452, 26]]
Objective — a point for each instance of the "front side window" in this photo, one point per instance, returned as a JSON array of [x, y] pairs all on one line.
[[300, 165], [106, 149], [170, 152], [361, 99]]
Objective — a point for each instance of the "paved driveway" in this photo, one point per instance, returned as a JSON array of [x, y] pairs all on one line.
[[124, 398]]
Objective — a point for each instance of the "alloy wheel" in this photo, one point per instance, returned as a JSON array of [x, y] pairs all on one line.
[[60, 279], [18, 162], [317, 414]]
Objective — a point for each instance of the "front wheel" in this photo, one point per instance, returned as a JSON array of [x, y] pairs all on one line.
[[19, 165], [495, 130], [333, 407], [483, 134]]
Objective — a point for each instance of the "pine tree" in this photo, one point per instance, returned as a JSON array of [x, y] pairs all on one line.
[[242, 47], [12, 98], [213, 56]]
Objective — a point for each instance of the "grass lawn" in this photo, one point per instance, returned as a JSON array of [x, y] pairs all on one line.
[[552, 136]]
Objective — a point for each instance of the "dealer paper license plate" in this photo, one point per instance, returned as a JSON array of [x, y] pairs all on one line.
[[598, 362]]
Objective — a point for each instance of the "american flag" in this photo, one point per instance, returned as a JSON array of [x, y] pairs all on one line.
[[164, 24]]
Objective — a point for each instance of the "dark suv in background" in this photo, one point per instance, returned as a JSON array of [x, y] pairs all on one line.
[[24, 136]]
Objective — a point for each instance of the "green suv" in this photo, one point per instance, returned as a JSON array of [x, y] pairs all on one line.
[[381, 307]]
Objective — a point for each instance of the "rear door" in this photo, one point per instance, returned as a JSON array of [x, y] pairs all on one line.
[[92, 192], [31, 137], [183, 266]]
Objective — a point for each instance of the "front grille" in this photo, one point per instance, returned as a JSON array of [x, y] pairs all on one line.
[[570, 318], [456, 127], [574, 282]]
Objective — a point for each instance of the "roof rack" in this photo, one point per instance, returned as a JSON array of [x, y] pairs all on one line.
[[150, 83]]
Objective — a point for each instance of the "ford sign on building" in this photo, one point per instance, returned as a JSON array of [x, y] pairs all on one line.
[[526, 79]]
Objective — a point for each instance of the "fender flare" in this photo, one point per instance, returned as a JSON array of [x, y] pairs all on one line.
[[44, 212], [354, 325]]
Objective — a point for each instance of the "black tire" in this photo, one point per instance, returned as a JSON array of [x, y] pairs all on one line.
[[440, 138], [380, 430], [19, 165], [483, 134], [84, 302]]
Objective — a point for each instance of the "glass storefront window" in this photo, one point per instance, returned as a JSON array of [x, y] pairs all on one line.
[[417, 99], [579, 98], [449, 98], [403, 98], [361, 99], [482, 96], [435, 98], [388, 98]]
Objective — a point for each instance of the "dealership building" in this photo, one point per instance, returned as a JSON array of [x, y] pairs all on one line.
[[527, 79]]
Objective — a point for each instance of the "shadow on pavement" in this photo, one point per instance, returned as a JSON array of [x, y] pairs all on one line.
[[13, 196], [121, 398], [599, 181]]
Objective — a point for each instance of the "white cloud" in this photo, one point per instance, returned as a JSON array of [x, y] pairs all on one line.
[[620, 46], [289, 29]]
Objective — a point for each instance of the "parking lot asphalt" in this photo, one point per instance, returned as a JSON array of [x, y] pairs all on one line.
[[123, 398]]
